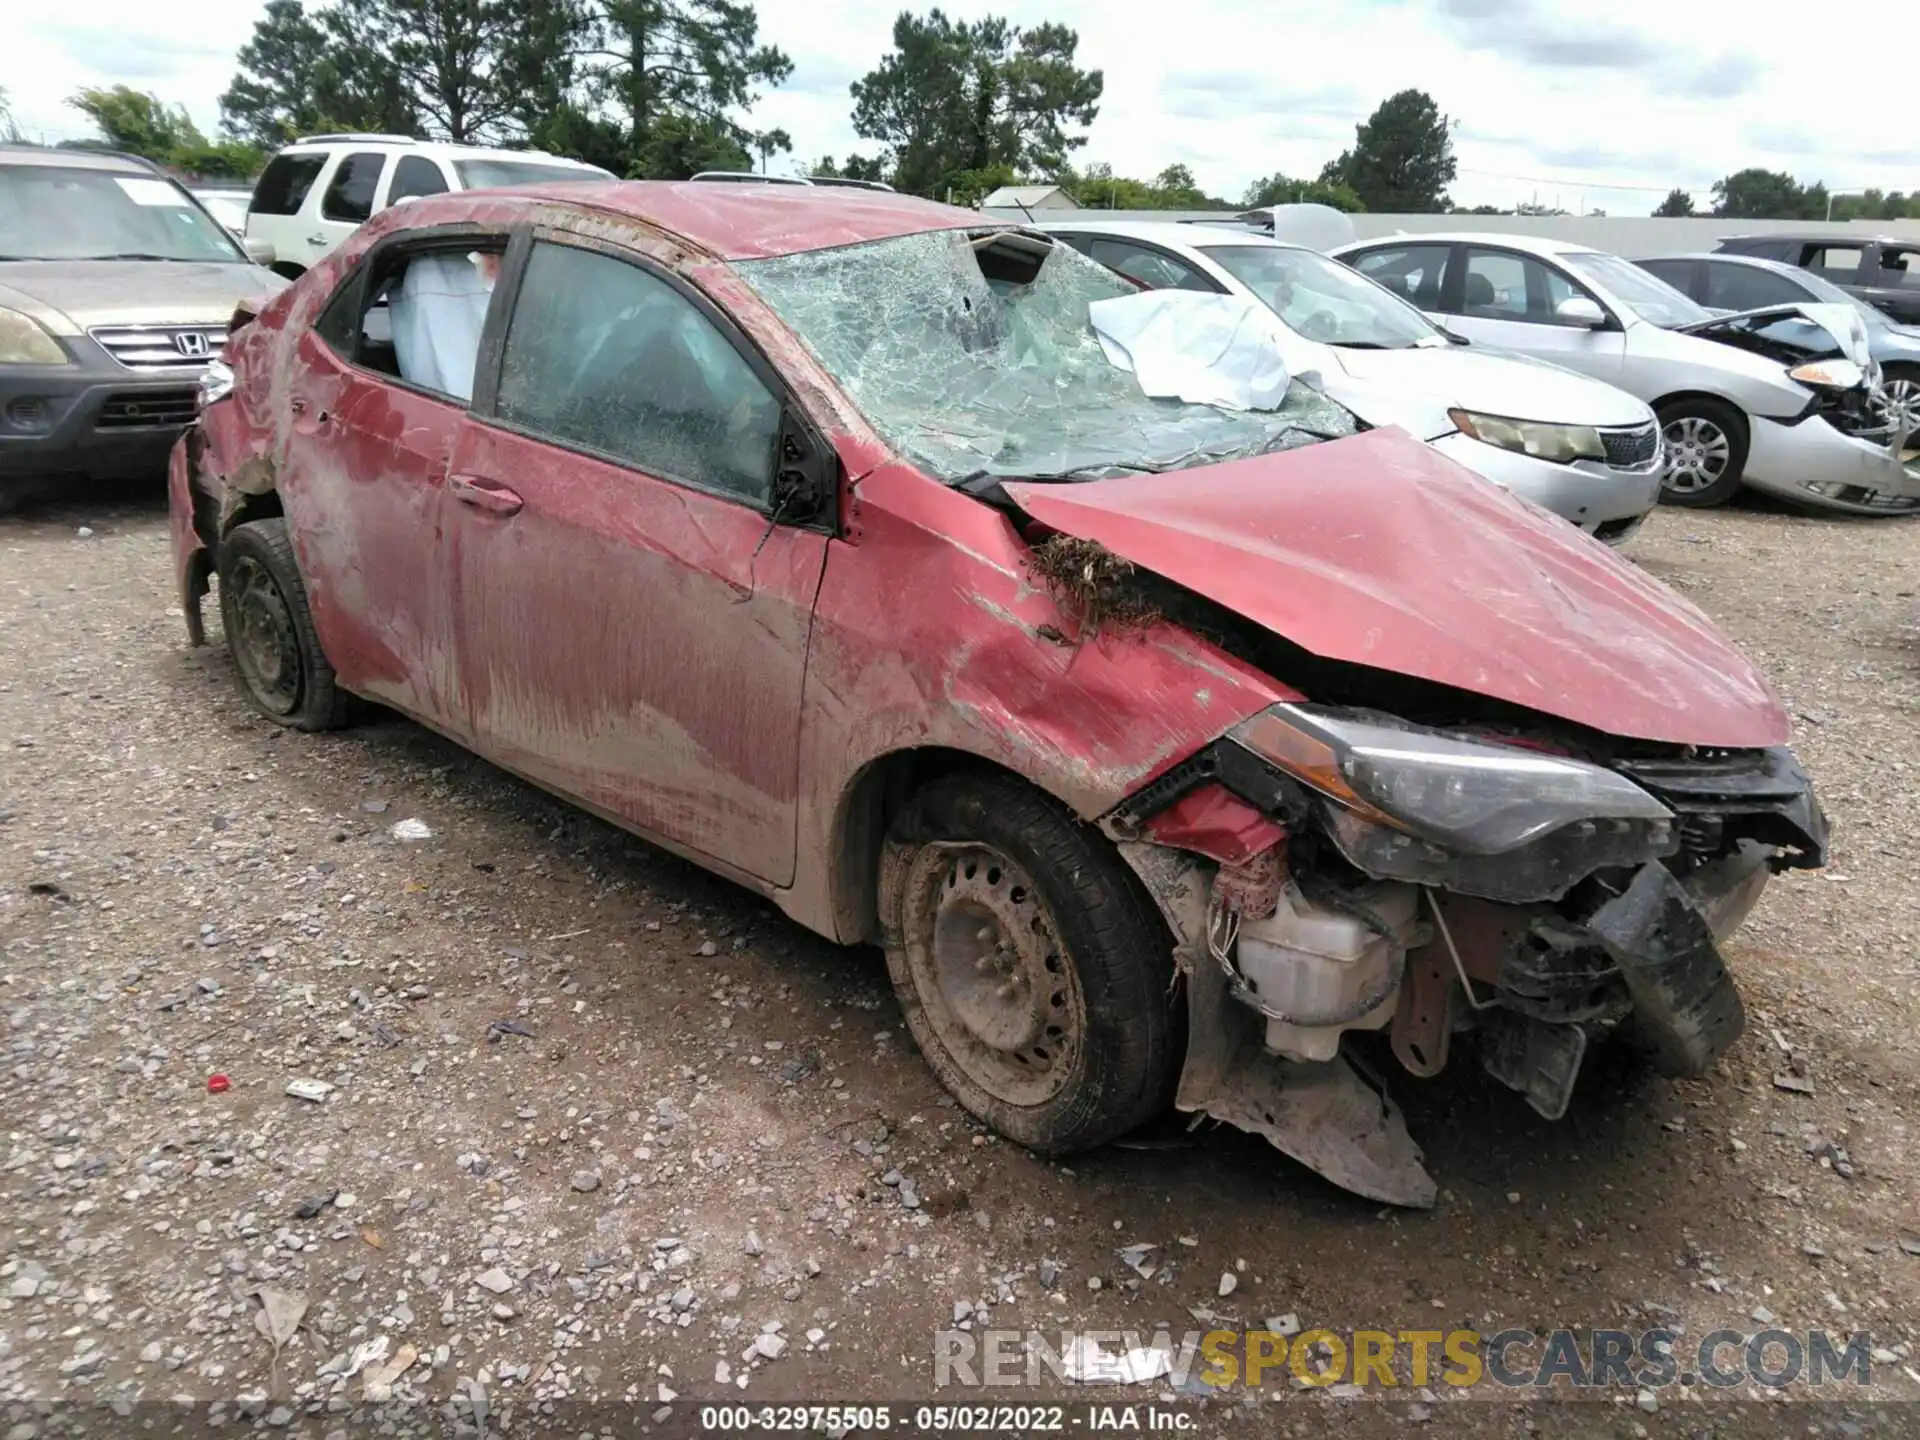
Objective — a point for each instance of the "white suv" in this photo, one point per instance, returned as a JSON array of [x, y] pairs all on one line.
[[319, 190]]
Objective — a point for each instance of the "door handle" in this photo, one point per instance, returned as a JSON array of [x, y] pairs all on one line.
[[484, 494], [316, 239]]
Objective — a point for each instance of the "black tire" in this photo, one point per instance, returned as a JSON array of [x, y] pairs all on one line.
[[276, 651], [1086, 930], [1689, 422]]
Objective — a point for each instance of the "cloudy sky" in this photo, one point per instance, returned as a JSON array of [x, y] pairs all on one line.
[[1589, 106]]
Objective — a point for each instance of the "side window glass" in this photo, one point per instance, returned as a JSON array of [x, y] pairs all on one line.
[[603, 355], [1841, 258], [1677, 273], [283, 185], [1504, 286], [1412, 271], [1496, 286], [415, 175], [1151, 268], [1900, 266], [1743, 287], [349, 197], [420, 317]]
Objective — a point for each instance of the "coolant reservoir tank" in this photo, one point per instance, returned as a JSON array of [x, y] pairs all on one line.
[[1328, 968]]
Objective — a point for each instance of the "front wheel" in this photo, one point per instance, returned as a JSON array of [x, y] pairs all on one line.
[[270, 634], [1706, 444], [1034, 973], [1898, 401]]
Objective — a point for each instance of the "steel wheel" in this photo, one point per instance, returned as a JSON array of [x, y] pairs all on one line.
[[986, 963], [1698, 453], [265, 646]]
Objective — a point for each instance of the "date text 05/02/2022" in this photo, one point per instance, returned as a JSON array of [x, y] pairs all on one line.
[[949, 1419]]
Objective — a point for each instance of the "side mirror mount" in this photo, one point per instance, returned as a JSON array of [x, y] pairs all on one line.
[[803, 474], [1581, 313], [259, 251]]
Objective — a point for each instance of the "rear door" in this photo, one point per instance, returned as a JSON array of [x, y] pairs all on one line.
[[1510, 300], [344, 202], [633, 611], [378, 396]]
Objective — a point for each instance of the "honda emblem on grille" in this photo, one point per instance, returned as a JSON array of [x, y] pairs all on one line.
[[191, 343]]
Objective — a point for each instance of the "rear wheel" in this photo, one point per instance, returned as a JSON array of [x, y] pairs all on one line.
[[1034, 973], [1706, 444], [270, 634]]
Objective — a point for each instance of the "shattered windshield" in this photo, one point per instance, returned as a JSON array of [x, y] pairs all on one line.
[[975, 357]]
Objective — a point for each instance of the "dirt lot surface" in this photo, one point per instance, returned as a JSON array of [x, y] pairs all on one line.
[[607, 1138]]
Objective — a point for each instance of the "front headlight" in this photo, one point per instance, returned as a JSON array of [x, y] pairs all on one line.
[[216, 383], [1829, 374], [1468, 797], [1559, 443], [23, 341]]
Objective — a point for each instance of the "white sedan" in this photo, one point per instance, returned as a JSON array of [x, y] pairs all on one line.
[[1584, 450]]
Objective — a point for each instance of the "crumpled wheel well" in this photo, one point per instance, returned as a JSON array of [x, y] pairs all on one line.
[[867, 807]]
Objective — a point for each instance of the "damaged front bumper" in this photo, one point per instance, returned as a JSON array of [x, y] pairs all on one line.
[[1811, 462], [1618, 933]]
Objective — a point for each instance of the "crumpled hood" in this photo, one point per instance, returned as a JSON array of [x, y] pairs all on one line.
[[85, 293], [1492, 384], [1377, 550]]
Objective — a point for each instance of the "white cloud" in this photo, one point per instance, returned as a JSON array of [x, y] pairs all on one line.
[[1552, 101]]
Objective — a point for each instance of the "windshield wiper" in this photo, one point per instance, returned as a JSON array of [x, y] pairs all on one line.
[[132, 255], [1362, 345]]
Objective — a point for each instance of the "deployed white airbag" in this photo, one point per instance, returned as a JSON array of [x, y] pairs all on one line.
[[437, 315], [1220, 350]]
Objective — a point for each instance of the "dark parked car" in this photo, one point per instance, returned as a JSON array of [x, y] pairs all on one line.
[[1747, 282], [1883, 272]]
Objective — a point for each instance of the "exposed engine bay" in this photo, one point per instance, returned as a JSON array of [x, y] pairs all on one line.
[[1364, 874]]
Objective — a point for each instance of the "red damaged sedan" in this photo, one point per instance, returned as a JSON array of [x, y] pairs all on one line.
[[825, 538]]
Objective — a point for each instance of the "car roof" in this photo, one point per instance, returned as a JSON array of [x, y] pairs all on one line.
[[78, 159], [327, 144], [1724, 257], [1198, 236], [754, 222], [1506, 240], [1808, 237]]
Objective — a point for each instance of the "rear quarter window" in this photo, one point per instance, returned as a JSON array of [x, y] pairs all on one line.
[[283, 186], [350, 193]]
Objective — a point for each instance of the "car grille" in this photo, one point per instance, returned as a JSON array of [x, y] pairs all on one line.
[[1631, 449], [161, 347], [146, 410]]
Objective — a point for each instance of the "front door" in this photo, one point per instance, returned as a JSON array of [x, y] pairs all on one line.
[[633, 621], [378, 400], [1509, 300]]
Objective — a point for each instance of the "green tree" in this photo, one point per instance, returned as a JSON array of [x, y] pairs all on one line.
[[137, 122], [1279, 189], [1755, 194], [300, 74], [1402, 157], [143, 124], [8, 130], [973, 96], [696, 62], [1678, 202]]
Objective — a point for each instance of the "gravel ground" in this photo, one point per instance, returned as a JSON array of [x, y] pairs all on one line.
[[590, 1126]]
